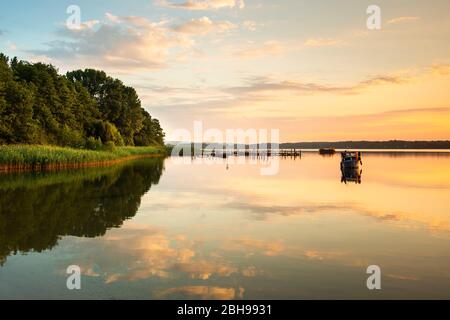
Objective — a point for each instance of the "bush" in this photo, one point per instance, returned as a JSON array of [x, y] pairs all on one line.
[[110, 146], [106, 131], [94, 143], [71, 138]]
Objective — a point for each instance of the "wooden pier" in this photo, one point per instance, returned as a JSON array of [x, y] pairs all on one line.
[[284, 153], [243, 152]]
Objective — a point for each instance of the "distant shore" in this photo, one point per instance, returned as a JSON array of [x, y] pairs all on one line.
[[392, 144], [338, 145], [15, 158]]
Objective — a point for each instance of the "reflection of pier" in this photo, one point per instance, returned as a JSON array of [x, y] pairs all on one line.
[[351, 175]]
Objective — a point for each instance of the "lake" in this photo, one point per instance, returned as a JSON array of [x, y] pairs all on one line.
[[157, 229]]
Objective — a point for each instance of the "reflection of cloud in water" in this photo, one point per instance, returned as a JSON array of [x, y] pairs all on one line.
[[404, 220], [204, 269], [402, 277], [140, 253], [255, 246], [204, 293], [265, 207], [190, 271], [251, 272], [263, 212], [273, 248]]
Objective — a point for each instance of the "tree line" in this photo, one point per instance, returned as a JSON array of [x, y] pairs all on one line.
[[392, 144], [82, 109]]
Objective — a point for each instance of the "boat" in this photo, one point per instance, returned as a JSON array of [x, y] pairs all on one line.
[[350, 159], [327, 151]]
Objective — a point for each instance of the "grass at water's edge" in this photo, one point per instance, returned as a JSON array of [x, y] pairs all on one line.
[[26, 157], [44, 178]]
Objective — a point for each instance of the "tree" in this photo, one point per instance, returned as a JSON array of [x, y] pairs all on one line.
[[151, 132], [38, 105], [106, 131], [117, 103], [16, 108]]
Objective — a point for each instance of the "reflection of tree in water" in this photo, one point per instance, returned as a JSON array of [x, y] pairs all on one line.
[[36, 210]]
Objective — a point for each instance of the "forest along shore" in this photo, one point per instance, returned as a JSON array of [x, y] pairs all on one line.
[[85, 118], [14, 158]]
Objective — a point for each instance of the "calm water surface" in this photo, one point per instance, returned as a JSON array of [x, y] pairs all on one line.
[[153, 229]]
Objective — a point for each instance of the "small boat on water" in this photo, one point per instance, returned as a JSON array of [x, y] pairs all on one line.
[[350, 159], [327, 151]]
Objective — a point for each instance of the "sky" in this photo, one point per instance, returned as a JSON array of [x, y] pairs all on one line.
[[311, 69]]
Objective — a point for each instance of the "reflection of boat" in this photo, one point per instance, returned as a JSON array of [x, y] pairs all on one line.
[[327, 151], [351, 175], [350, 160]]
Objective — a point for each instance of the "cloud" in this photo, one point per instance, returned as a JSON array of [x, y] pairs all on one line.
[[204, 25], [323, 42], [343, 40], [404, 124], [250, 25], [402, 20], [269, 48], [276, 101], [263, 96], [171, 96], [440, 69], [275, 48], [203, 4], [264, 88], [128, 43], [12, 46], [382, 79], [119, 42], [262, 85], [86, 25]]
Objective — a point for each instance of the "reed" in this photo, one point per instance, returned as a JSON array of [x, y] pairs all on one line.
[[46, 156]]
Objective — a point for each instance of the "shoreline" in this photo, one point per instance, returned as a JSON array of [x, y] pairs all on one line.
[[386, 150], [32, 158], [67, 166]]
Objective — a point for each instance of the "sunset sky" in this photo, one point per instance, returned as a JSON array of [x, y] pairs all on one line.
[[309, 68]]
